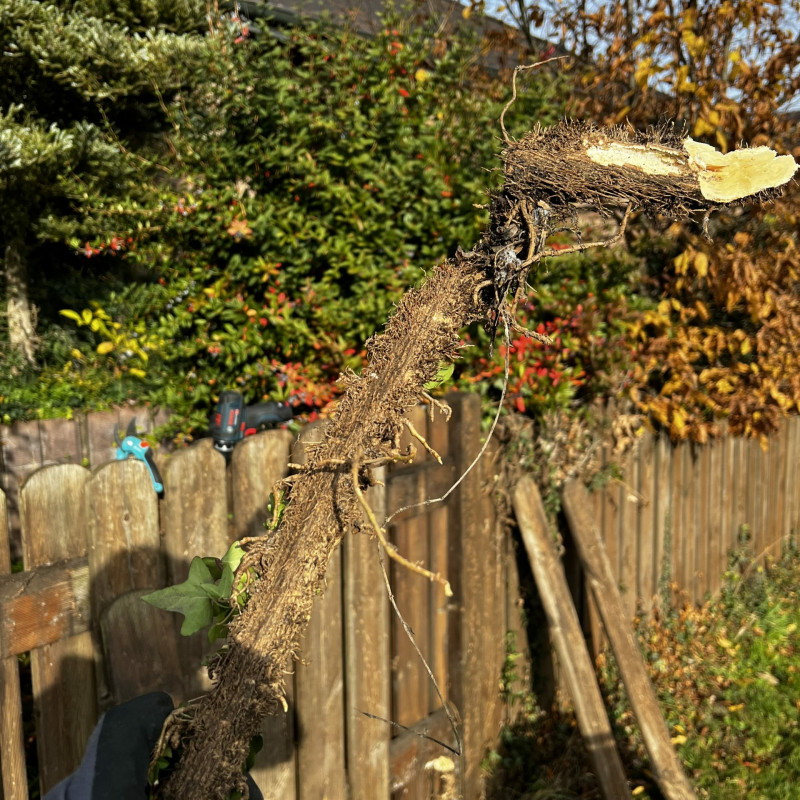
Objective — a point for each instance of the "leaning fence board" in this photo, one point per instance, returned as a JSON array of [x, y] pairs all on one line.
[[669, 775], [53, 525], [567, 636], [12, 747]]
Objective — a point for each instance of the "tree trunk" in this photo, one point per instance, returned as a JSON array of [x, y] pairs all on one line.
[[20, 312]]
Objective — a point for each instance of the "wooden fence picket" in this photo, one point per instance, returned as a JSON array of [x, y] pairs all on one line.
[[53, 524], [367, 659], [124, 555], [195, 522], [12, 746], [256, 465]]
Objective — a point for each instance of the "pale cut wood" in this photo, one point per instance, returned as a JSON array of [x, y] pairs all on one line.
[[14, 784], [194, 518], [139, 657], [43, 605], [257, 464], [53, 526], [668, 772], [567, 636], [367, 659]]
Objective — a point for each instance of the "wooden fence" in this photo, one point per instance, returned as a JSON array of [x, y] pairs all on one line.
[[94, 541], [671, 521]]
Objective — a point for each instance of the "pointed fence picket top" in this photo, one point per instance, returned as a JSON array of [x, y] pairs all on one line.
[[53, 522]]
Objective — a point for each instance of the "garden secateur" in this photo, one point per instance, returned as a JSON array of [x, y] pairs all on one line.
[[134, 447]]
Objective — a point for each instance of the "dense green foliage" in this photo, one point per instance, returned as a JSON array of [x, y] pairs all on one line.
[[316, 176]]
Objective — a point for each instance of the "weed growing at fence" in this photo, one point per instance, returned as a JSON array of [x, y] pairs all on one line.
[[729, 683]]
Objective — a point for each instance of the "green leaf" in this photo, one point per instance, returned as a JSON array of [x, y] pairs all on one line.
[[190, 598], [442, 376]]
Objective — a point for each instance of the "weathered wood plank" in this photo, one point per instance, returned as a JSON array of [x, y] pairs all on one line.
[[646, 511], [257, 464], [777, 472], [53, 527], [567, 636], [716, 553], [194, 518], [14, 784], [411, 591], [319, 683], [693, 499], [44, 605], [663, 514], [130, 628], [703, 480], [124, 542], [123, 525], [474, 674], [367, 660], [791, 519], [680, 481], [629, 535], [669, 775]]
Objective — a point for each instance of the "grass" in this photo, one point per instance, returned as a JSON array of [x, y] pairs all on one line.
[[728, 679]]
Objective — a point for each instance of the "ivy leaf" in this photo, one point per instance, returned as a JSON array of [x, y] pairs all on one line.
[[190, 598]]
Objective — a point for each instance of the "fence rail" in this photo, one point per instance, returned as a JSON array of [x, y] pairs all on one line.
[[94, 540]]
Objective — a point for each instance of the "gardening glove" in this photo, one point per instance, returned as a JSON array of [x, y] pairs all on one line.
[[117, 757]]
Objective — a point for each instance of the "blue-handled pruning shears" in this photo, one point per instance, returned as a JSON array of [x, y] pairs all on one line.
[[134, 447]]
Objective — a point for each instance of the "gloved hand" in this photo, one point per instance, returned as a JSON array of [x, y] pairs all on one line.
[[117, 757]]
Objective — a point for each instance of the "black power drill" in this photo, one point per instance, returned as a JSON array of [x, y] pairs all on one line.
[[232, 420]]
